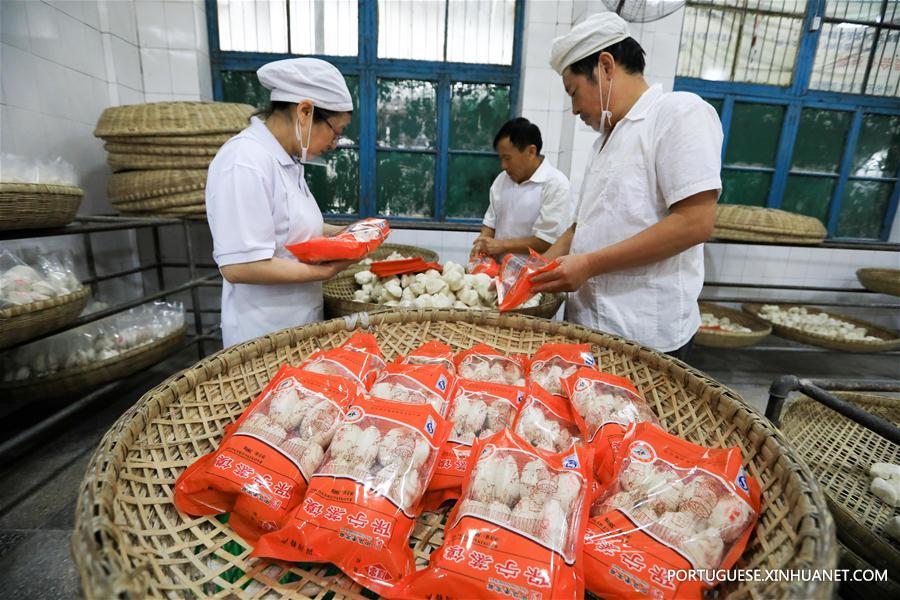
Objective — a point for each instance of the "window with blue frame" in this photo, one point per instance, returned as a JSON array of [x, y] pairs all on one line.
[[432, 82], [808, 96]]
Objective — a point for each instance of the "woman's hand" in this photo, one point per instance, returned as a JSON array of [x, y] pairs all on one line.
[[572, 272], [330, 269]]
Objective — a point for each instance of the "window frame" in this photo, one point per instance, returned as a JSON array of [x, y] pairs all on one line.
[[795, 98], [368, 68]]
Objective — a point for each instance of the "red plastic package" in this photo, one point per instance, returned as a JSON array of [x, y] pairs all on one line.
[[547, 422], [352, 243], [483, 264], [362, 503], [478, 410], [403, 266], [260, 469], [672, 506], [483, 363], [415, 384], [552, 363], [431, 353], [514, 281], [608, 404], [519, 530], [357, 359]]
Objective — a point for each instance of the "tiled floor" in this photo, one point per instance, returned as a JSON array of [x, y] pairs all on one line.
[[38, 493]]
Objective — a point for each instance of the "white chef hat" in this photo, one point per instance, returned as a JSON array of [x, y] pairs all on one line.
[[298, 79], [596, 32]]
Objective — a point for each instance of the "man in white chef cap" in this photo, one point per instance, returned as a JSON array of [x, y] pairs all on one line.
[[633, 258], [257, 201]]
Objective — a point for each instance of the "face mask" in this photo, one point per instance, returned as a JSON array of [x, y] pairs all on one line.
[[299, 134], [605, 113]]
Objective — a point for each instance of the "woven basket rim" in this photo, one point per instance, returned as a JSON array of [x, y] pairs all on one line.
[[160, 150], [138, 162], [888, 337], [99, 562], [96, 366], [143, 185], [884, 281], [22, 309], [177, 118], [187, 198], [8, 187], [747, 320], [765, 220]]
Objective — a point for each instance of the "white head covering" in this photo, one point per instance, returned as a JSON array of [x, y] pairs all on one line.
[[298, 79], [596, 32]]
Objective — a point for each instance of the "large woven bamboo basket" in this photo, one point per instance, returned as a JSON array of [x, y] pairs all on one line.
[[173, 119], [215, 139], [886, 281], [73, 381], [26, 321], [888, 340], [148, 162], [337, 293], [142, 185], [158, 203], [840, 451], [130, 539], [32, 205], [718, 338], [172, 149], [757, 224]]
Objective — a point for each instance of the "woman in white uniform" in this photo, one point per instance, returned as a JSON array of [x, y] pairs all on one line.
[[257, 201]]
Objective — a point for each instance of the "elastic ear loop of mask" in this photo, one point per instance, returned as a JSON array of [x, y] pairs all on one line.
[[299, 133], [606, 113]]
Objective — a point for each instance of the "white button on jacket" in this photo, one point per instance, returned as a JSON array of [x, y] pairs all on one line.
[[257, 202]]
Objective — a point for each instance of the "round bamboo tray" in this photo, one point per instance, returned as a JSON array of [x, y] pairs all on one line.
[[385, 250], [886, 281], [148, 162], [717, 338], [129, 538], [73, 381], [23, 322], [32, 205], [173, 118], [216, 139], [338, 291], [840, 451], [175, 150], [143, 185], [888, 339], [196, 198], [757, 224]]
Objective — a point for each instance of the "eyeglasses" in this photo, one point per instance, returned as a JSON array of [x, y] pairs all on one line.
[[337, 134]]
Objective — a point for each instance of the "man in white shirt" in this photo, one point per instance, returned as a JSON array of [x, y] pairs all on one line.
[[530, 203], [634, 256]]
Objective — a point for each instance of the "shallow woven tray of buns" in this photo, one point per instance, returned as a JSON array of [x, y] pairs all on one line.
[[719, 338]]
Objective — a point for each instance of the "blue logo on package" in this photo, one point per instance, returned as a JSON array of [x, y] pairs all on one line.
[[571, 462], [429, 426], [588, 359], [742, 481], [442, 383]]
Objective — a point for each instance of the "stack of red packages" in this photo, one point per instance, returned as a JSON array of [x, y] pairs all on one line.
[[514, 281], [431, 353], [403, 266], [358, 359], [518, 530], [260, 469], [478, 411], [547, 422], [415, 384], [608, 404], [363, 501], [483, 264], [352, 243], [672, 506]]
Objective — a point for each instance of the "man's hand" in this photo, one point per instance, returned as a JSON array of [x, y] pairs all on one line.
[[572, 272], [487, 245]]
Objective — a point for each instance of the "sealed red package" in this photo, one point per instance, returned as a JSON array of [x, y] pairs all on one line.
[[552, 363], [363, 501], [478, 410], [483, 363], [431, 353], [674, 505], [483, 264], [514, 281], [519, 529], [403, 266], [357, 359], [608, 404], [352, 243], [260, 469], [415, 384], [546, 421]]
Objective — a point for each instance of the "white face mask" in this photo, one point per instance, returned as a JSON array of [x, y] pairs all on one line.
[[299, 134]]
